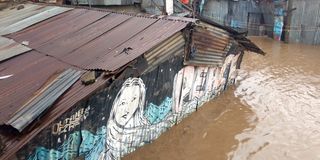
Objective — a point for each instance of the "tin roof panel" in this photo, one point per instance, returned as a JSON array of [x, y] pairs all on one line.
[[29, 73], [49, 30], [70, 42], [138, 45], [33, 19], [9, 48], [75, 39], [96, 49]]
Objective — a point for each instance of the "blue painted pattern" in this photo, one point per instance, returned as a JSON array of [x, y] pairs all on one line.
[[156, 114], [85, 144]]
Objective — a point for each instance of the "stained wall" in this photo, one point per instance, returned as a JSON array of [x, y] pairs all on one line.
[[131, 112], [241, 15], [304, 21]]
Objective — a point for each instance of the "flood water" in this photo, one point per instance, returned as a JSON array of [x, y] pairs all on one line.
[[273, 112]]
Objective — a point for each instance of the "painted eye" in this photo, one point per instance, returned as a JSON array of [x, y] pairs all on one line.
[[122, 103]]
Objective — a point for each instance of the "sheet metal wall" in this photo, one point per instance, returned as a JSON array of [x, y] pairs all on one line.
[[76, 39], [232, 13], [209, 46], [171, 47], [83, 131], [304, 26]]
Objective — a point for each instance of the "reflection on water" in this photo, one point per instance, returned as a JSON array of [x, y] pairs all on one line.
[[272, 113], [283, 90]]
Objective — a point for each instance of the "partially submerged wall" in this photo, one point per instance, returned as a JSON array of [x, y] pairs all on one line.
[[304, 22], [131, 112], [242, 15]]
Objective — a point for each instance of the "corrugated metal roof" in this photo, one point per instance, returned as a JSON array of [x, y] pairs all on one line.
[[98, 45], [74, 39], [48, 31], [30, 72], [173, 46], [85, 39], [26, 21], [9, 48], [209, 46], [239, 37], [77, 92], [43, 100], [138, 44], [107, 42], [10, 16]]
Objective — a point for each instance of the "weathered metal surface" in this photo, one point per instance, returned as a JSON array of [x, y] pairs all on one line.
[[49, 30], [43, 100], [64, 45], [303, 23], [9, 48], [239, 37], [109, 35], [29, 73], [164, 47], [171, 47], [76, 93], [75, 39], [209, 46], [28, 21], [90, 53], [138, 45], [11, 16]]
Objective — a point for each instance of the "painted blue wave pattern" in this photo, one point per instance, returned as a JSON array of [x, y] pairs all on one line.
[[86, 144], [156, 114]]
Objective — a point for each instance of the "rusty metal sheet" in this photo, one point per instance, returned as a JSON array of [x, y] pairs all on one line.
[[210, 46], [171, 47], [9, 48], [11, 16], [164, 47], [43, 100], [28, 21], [72, 96], [29, 73], [138, 45], [239, 37], [75, 39], [70, 42], [90, 53], [68, 22]]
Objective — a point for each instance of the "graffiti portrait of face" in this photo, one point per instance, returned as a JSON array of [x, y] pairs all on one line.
[[127, 104], [127, 101]]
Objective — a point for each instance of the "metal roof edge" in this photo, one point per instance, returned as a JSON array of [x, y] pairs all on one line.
[[41, 102], [145, 15]]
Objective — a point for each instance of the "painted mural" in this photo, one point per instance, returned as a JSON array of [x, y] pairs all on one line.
[[131, 125], [83, 143], [278, 27], [134, 121]]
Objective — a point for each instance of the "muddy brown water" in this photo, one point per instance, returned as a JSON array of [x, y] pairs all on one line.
[[273, 112]]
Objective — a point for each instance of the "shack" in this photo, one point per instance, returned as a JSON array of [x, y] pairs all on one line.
[[79, 83]]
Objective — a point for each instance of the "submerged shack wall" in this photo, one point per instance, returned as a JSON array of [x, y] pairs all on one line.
[[304, 21], [242, 15], [130, 112]]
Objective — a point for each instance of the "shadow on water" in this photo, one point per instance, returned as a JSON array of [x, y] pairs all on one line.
[[272, 113]]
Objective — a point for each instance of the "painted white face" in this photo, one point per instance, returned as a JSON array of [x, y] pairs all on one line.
[[127, 104]]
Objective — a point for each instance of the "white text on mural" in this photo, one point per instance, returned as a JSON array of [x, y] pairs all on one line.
[[71, 122]]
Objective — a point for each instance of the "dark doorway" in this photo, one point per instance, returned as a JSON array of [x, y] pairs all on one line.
[[255, 24]]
